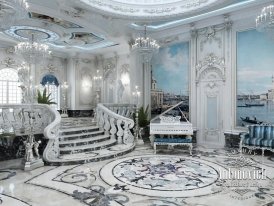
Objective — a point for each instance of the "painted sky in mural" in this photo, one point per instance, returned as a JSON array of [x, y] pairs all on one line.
[[255, 62], [171, 68], [255, 68]]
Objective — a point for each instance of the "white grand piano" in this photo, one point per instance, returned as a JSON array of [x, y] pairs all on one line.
[[166, 129]]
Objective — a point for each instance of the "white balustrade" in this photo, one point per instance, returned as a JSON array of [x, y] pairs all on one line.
[[18, 119], [116, 120]]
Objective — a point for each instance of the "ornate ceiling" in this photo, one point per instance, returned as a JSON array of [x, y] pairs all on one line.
[[107, 25], [150, 9]]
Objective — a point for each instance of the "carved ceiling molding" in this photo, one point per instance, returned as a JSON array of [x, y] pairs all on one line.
[[210, 64], [149, 8]]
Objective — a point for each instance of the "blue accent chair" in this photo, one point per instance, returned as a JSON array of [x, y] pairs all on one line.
[[258, 137]]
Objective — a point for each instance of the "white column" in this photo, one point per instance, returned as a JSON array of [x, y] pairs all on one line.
[[136, 75], [147, 85], [71, 77]]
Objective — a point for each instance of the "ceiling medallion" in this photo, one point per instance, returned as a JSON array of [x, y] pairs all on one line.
[[143, 9], [23, 33]]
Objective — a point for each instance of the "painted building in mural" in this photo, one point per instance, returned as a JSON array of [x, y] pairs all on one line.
[[157, 95], [270, 94]]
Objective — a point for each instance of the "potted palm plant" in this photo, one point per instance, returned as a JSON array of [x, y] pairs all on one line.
[[143, 122], [44, 98]]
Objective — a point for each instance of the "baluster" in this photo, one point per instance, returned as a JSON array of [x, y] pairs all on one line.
[[127, 114], [120, 131], [98, 111], [113, 129], [107, 124], [101, 120], [128, 137]]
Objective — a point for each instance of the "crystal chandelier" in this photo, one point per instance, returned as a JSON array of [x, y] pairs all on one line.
[[32, 51], [10, 11], [265, 21], [145, 43]]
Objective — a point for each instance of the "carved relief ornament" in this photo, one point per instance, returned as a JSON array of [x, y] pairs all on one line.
[[211, 63]]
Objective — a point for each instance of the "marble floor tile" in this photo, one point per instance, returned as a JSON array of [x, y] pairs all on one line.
[[140, 178]]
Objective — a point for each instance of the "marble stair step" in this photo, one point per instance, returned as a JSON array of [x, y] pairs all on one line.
[[88, 147], [82, 141], [94, 156], [78, 130], [80, 135]]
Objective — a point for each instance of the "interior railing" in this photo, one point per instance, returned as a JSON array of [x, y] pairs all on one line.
[[17, 119], [117, 120]]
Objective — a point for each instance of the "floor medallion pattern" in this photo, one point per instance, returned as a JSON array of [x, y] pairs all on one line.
[[154, 175]]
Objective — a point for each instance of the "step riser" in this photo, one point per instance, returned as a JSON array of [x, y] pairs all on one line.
[[62, 144], [86, 149], [72, 162], [82, 136], [79, 131]]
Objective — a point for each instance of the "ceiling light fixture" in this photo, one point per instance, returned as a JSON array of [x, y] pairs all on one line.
[[11, 11], [145, 43], [265, 21], [32, 51]]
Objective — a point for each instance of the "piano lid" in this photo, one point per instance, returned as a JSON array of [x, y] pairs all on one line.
[[174, 115]]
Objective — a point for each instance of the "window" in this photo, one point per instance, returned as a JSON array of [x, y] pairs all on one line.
[[10, 92], [51, 84]]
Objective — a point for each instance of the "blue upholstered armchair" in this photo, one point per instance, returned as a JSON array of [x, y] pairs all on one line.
[[258, 137]]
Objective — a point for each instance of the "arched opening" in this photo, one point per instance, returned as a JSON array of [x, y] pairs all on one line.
[[51, 83], [10, 92]]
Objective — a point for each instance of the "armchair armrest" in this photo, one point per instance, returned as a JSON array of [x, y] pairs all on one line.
[[244, 135]]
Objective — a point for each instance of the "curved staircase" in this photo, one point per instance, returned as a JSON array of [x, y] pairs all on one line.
[[82, 141]]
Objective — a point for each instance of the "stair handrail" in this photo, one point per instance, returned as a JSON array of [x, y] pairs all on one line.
[[51, 132], [115, 124]]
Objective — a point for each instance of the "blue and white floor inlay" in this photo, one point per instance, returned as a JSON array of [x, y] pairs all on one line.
[[138, 179], [162, 175]]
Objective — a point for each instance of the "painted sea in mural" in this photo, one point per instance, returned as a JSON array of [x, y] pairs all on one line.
[[170, 78], [255, 78]]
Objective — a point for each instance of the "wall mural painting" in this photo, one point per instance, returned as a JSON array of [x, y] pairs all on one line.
[[170, 79], [255, 78]]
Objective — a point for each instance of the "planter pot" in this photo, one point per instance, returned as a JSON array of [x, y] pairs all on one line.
[[144, 134]]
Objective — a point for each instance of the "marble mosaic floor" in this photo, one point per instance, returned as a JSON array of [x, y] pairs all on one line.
[[140, 178]]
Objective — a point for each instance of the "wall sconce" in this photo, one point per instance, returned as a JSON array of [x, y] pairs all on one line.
[[86, 84], [125, 78]]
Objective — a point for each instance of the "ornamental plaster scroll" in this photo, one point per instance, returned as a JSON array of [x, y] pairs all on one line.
[[212, 87], [9, 63], [149, 8], [109, 66], [210, 64], [125, 68], [67, 8], [209, 34]]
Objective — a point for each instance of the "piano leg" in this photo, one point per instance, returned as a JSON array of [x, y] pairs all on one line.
[[154, 147], [190, 149]]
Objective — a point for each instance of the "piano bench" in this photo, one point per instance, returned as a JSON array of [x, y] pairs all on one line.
[[172, 142]]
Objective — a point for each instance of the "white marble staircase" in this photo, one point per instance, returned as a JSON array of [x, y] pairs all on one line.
[[82, 141]]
